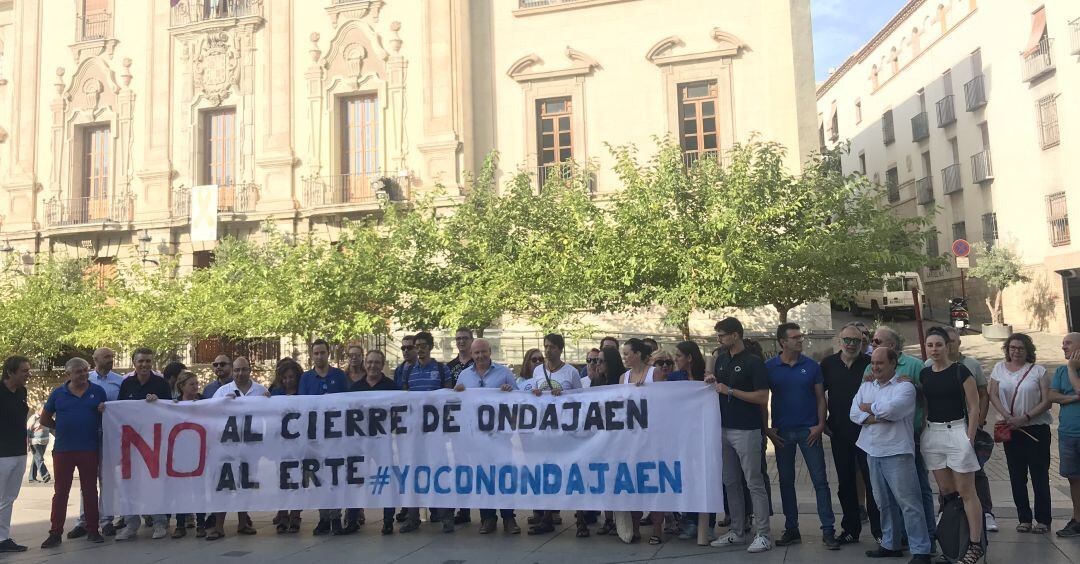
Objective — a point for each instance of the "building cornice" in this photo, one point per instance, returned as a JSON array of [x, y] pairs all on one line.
[[874, 43]]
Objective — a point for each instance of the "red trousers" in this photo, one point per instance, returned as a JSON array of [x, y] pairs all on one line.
[[64, 465]]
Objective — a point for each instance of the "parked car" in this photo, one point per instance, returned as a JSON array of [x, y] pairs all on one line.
[[893, 297]]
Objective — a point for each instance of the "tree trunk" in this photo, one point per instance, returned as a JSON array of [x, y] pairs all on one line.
[[782, 311], [998, 308], [684, 328], [990, 307]]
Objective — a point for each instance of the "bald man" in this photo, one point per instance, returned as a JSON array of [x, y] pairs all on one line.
[[241, 384], [1063, 391], [110, 381]]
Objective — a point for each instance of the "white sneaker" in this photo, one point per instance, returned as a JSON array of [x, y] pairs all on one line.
[[160, 532], [761, 544], [730, 539], [126, 534], [991, 522]]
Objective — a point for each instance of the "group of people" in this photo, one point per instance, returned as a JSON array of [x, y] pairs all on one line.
[[892, 419]]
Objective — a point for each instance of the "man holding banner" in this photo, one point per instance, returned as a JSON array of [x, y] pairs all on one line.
[[241, 386], [374, 381], [324, 379], [484, 374]]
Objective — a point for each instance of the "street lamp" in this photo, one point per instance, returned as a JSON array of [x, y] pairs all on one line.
[[144, 247]]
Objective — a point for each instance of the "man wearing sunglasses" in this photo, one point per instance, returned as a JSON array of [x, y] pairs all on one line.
[[223, 371], [909, 368], [484, 374], [408, 358], [594, 369], [843, 376]]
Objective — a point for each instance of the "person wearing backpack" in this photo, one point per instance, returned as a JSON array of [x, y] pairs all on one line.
[[951, 394], [1020, 393]]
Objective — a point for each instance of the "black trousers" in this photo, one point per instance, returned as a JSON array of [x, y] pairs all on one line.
[[1025, 456], [846, 458]]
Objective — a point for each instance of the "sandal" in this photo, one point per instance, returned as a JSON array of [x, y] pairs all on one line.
[[655, 540], [1040, 529], [541, 528], [606, 528], [973, 555], [1023, 527], [582, 530]]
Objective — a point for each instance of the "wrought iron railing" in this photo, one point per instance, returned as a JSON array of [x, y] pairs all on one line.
[[990, 229], [1074, 34], [573, 174], [888, 132], [920, 127], [975, 93], [692, 157], [94, 26], [951, 180], [231, 198], [1057, 219], [342, 189], [193, 11], [946, 111], [542, 3], [982, 170], [62, 212], [924, 190], [1040, 61]]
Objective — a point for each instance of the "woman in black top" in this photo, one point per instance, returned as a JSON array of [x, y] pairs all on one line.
[[947, 441], [13, 412]]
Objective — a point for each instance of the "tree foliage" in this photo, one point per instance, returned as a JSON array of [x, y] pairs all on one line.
[[999, 267]]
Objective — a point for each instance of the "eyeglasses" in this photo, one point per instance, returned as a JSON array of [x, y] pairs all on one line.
[[877, 342], [219, 364], [851, 340], [720, 336], [536, 359], [596, 360], [662, 363], [407, 348]]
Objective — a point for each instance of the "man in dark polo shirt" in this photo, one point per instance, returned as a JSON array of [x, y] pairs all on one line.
[[843, 375], [13, 411], [141, 385], [743, 384], [375, 381]]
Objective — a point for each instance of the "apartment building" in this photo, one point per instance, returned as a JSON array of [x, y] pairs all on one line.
[[135, 129], [967, 107]]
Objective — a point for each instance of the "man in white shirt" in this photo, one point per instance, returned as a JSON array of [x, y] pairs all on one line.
[[242, 384], [885, 409], [553, 375], [110, 381]]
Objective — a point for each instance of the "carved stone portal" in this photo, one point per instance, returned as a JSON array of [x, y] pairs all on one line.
[[216, 65]]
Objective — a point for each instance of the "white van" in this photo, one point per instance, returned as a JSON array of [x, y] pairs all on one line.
[[894, 296]]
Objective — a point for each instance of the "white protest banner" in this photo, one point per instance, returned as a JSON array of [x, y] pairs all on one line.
[[627, 448]]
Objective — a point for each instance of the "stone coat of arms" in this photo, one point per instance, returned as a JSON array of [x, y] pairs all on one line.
[[216, 65]]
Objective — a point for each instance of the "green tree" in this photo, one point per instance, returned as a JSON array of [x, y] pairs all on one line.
[[666, 229], [792, 239], [40, 310], [999, 267]]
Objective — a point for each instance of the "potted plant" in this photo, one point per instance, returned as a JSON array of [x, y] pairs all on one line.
[[999, 268]]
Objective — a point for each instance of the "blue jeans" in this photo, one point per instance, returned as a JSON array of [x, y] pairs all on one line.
[[927, 494], [898, 495], [815, 463]]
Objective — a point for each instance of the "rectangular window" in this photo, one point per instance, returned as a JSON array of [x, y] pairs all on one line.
[[1048, 121], [888, 133], [101, 271], [202, 259], [698, 129], [990, 229], [892, 185], [359, 146], [932, 249], [95, 20], [959, 230], [555, 135], [862, 163], [94, 196], [1057, 216], [219, 155]]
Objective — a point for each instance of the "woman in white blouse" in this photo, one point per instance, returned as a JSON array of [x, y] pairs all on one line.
[[1020, 392]]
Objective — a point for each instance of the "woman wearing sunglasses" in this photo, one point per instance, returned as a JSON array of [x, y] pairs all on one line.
[[533, 358]]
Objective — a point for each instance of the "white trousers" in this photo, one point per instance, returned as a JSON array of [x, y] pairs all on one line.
[[12, 469]]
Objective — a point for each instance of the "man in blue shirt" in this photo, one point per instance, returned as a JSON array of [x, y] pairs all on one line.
[[408, 358], [484, 374], [222, 366], [324, 379], [74, 411], [798, 420], [426, 375], [1064, 390], [110, 381]]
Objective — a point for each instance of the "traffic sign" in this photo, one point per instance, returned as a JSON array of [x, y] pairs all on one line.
[[963, 262], [961, 248]]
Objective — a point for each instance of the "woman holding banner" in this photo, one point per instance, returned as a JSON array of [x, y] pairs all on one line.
[[187, 389], [635, 354], [533, 358], [286, 383]]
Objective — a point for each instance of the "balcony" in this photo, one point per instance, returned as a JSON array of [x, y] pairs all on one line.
[[1057, 219], [920, 127], [85, 211], [342, 10], [690, 158], [344, 189], [975, 93], [543, 3], [924, 191], [1074, 35], [94, 26], [990, 229], [186, 12], [1039, 62], [981, 168], [950, 179], [232, 199], [946, 111]]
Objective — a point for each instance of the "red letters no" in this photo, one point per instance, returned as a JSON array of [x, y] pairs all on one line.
[[151, 457], [201, 431]]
